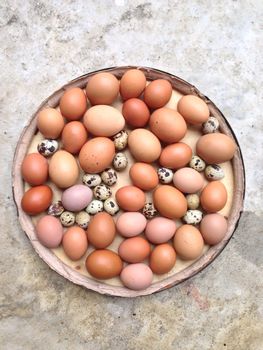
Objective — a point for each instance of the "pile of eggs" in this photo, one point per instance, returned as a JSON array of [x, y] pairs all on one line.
[[83, 150]]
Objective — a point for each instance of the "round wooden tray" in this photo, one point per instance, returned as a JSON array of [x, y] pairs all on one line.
[[55, 263]]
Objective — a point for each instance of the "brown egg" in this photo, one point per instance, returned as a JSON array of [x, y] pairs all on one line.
[[213, 197], [73, 103], [104, 264], [130, 198], [101, 230], [134, 250], [136, 112], [144, 176], [162, 259], [50, 123], [49, 231], [215, 148], [63, 169], [34, 169], [144, 145], [75, 243], [158, 93], [132, 84], [188, 180], [176, 155], [193, 109], [213, 228], [102, 89], [188, 242], [96, 155], [36, 199], [170, 202], [73, 137], [168, 125]]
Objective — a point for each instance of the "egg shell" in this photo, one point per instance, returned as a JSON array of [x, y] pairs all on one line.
[[188, 180], [104, 264], [144, 176], [193, 109], [76, 198], [34, 169], [162, 259], [144, 145], [158, 93], [131, 224], [188, 242], [130, 198], [103, 120], [136, 276], [96, 155], [101, 230], [160, 230], [102, 88], [135, 112], [168, 125], [215, 148], [213, 197], [213, 228], [49, 231], [134, 250], [73, 137], [50, 123], [63, 169], [73, 103], [75, 243], [176, 155], [170, 202], [132, 84], [36, 199]]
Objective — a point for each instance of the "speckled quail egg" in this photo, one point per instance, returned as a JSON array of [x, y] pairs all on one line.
[[94, 207], [214, 172], [193, 201], [165, 175], [91, 180], [102, 192], [55, 209], [109, 176], [197, 163], [83, 219], [120, 140], [111, 206], [47, 147], [193, 217], [149, 211], [210, 126], [67, 218], [120, 161]]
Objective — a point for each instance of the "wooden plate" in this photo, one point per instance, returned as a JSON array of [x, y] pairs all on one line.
[[100, 286]]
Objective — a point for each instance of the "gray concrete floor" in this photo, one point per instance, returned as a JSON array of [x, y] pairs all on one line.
[[216, 45]]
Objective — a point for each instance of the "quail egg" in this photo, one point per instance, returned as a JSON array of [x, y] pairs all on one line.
[[210, 126], [120, 140], [111, 206], [193, 217], [102, 192], [55, 209], [109, 176], [94, 207], [193, 201], [83, 219], [91, 180], [67, 218], [214, 172], [149, 211], [120, 161], [197, 163], [165, 175], [47, 147]]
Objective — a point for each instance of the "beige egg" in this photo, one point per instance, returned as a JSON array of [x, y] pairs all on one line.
[[188, 242], [103, 120], [63, 169], [193, 109]]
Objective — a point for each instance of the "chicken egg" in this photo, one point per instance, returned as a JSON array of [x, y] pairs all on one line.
[[34, 169], [101, 230], [49, 231], [176, 155], [131, 224], [144, 145], [162, 259], [132, 83], [188, 242], [136, 112], [73, 103], [36, 199], [134, 250], [160, 230], [130, 198], [188, 180], [136, 276], [158, 93], [50, 123], [213, 228], [213, 197], [102, 88], [193, 109], [73, 137], [144, 176], [75, 243]]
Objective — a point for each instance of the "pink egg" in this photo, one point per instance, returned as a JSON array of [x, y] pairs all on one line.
[[131, 224], [49, 231], [188, 180], [213, 228], [76, 197], [136, 276], [160, 230]]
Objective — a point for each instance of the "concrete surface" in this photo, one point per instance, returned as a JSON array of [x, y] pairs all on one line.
[[216, 45]]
